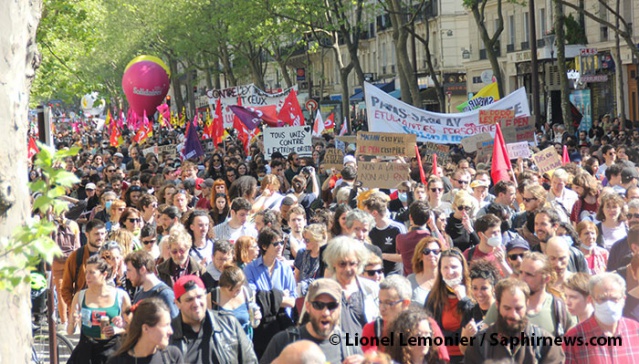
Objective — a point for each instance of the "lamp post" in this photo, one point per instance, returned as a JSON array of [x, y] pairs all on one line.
[[449, 33]]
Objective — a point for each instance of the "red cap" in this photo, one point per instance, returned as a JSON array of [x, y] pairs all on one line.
[[179, 286]]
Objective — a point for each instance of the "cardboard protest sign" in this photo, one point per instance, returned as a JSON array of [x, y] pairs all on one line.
[[518, 150], [348, 139], [149, 150], [442, 151], [287, 140], [171, 149], [333, 158], [490, 117], [518, 129], [470, 143], [485, 151], [370, 143], [381, 175], [547, 160], [387, 114]]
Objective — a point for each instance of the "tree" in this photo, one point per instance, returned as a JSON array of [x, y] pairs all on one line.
[[18, 23], [478, 9], [560, 34]]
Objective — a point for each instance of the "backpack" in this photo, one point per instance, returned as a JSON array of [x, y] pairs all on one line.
[[64, 237], [559, 315]]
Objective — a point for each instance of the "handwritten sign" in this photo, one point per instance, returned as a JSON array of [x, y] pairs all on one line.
[[170, 149], [518, 150], [442, 151], [286, 140], [369, 143], [381, 175], [518, 129], [348, 139], [485, 151], [333, 158], [470, 143], [490, 117], [547, 160]]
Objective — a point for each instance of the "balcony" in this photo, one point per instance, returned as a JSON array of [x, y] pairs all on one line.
[[525, 45], [541, 43], [510, 48]]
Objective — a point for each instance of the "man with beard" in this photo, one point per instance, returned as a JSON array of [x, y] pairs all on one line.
[[293, 167], [73, 279], [140, 271], [206, 336], [512, 323], [546, 224], [323, 308]]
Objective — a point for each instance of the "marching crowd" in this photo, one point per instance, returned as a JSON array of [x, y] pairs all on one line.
[[236, 258]]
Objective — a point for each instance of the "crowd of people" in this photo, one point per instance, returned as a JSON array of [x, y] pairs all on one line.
[[235, 258]]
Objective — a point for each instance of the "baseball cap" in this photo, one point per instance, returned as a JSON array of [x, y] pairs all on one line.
[[517, 242], [185, 284], [478, 183], [324, 286], [205, 183], [90, 186], [628, 173], [119, 155]]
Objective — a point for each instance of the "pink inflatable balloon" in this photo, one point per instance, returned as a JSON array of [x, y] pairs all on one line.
[[145, 84]]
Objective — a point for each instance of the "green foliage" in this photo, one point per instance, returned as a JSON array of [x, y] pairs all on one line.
[[31, 242], [575, 33]]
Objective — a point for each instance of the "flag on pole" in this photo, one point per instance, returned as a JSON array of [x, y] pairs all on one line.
[[434, 170], [318, 124], [291, 112], [344, 129], [32, 148], [218, 124], [565, 158], [485, 96], [192, 146], [329, 123], [501, 167], [422, 174], [108, 119], [252, 117]]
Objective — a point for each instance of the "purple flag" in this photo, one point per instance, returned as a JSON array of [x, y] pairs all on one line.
[[248, 117], [192, 146]]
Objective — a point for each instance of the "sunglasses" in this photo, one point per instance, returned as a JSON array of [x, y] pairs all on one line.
[[515, 256], [372, 272], [147, 242], [435, 190], [462, 208], [277, 243], [321, 306], [427, 251], [107, 257], [134, 220], [344, 264], [462, 182], [110, 170], [529, 199], [635, 216]]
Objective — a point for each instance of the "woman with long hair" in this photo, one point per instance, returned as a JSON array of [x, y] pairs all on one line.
[[219, 209], [425, 261], [245, 251], [216, 167], [131, 221], [449, 300], [460, 223], [165, 194], [612, 227], [270, 197], [339, 220], [307, 260], [111, 252], [147, 338], [413, 322], [99, 310]]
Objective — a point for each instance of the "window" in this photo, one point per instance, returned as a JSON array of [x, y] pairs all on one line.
[[542, 23], [511, 29], [526, 27]]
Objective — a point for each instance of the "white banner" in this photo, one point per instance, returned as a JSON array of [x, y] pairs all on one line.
[[517, 150], [250, 94], [288, 139], [387, 114]]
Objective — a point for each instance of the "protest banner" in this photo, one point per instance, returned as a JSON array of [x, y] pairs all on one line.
[[518, 150], [470, 143], [547, 160], [485, 151], [490, 117], [442, 151], [387, 114], [381, 175], [250, 94], [287, 140], [333, 158], [170, 149], [370, 143], [518, 129], [149, 150]]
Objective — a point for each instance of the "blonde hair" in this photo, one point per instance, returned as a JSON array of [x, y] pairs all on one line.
[[125, 239], [317, 232], [178, 236], [463, 198]]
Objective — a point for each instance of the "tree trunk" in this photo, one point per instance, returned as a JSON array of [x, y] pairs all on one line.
[[490, 42], [408, 79], [226, 63], [18, 23], [560, 39], [621, 104], [287, 77], [175, 83]]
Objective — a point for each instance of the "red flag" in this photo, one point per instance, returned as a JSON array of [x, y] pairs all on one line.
[[237, 123], [565, 159], [501, 166], [114, 138], [291, 112], [329, 123], [218, 124], [318, 125], [32, 149], [434, 171], [145, 131], [422, 175]]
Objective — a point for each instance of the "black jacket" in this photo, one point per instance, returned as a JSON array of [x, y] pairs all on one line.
[[228, 342]]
